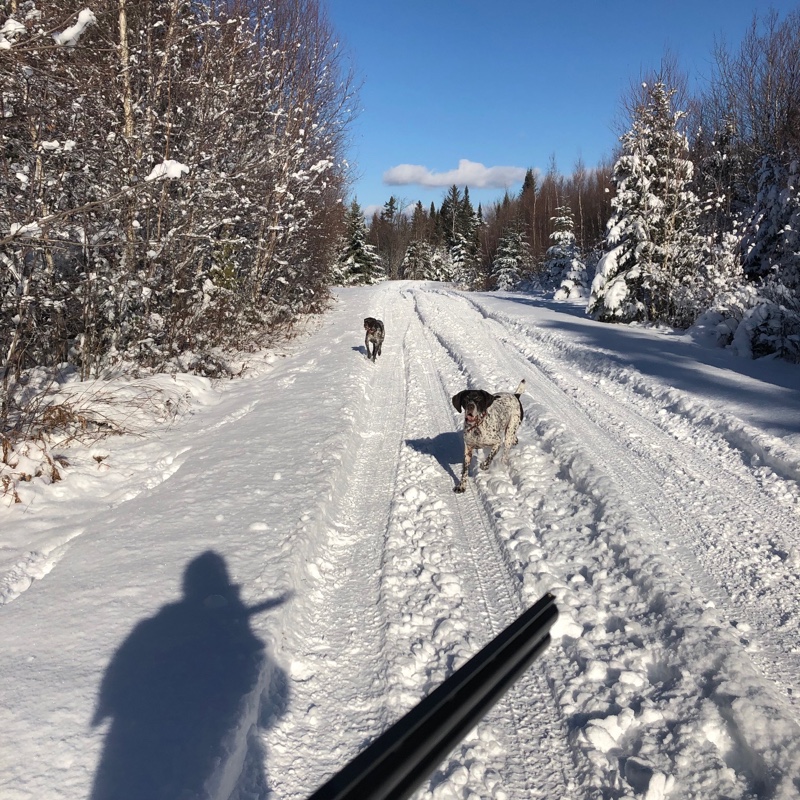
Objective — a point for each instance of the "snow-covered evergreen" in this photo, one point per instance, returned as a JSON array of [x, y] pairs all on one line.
[[358, 262], [771, 242], [441, 266], [416, 261], [465, 265], [424, 262], [653, 246], [511, 261], [563, 268], [760, 316]]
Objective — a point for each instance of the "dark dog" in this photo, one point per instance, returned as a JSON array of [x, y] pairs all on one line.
[[490, 421], [375, 335]]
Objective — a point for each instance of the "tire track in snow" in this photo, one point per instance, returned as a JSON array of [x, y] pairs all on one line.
[[621, 722], [497, 757], [724, 517], [336, 670]]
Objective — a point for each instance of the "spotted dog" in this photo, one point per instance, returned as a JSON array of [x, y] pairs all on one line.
[[375, 335], [490, 421]]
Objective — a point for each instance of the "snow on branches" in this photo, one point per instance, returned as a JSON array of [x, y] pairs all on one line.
[[109, 253]]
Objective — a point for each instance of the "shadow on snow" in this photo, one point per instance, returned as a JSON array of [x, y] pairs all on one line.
[[447, 448], [179, 691]]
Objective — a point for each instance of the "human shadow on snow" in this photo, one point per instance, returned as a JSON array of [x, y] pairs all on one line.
[[179, 692], [447, 448]]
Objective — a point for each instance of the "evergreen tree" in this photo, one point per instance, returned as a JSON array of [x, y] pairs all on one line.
[[460, 231], [416, 261], [771, 242], [771, 258], [458, 217], [441, 266], [650, 268], [420, 223], [449, 213], [719, 181], [390, 233], [465, 271], [358, 262], [563, 268], [511, 261], [529, 183]]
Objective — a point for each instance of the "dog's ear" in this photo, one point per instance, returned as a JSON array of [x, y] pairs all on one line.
[[487, 398], [366, 323], [457, 398]]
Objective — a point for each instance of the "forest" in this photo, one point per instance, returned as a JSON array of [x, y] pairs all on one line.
[[174, 186], [172, 175]]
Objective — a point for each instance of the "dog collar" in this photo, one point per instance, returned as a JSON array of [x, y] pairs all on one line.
[[481, 418]]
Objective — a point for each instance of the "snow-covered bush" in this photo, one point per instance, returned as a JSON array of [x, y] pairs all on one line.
[[155, 204], [754, 322]]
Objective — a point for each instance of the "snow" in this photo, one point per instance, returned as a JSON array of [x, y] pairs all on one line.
[[9, 31], [70, 36], [29, 230], [234, 603], [169, 168]]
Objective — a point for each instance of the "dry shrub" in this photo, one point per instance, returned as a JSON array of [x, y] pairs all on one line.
[[37, 420]]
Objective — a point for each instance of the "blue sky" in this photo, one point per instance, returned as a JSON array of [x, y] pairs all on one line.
[[508, 83]]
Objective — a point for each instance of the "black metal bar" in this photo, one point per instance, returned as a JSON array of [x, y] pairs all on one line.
[[397, 762]]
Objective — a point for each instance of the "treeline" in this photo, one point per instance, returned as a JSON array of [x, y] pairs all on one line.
[[458, 241], [696, 217], [171, 178]]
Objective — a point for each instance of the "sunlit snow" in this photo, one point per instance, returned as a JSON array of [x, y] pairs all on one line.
[[235, 604]]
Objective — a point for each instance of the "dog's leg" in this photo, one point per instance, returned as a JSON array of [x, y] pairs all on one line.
[[464, 471], [510, 438], [486, 464]]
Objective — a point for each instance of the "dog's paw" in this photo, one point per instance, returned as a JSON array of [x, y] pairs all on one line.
[[459, 489]]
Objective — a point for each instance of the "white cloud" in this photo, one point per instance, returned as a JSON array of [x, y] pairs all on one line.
[[469, 173], [370, 210]]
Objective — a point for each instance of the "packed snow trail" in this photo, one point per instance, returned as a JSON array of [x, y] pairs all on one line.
[[444, 583], [666, 526]]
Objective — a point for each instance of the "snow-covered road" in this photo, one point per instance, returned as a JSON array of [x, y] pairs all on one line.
[[654, 492]]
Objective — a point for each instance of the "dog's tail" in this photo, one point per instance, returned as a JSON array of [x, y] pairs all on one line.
[[521, 388]]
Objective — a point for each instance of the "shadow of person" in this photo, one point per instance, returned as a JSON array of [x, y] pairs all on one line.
[[447, 448], [185, 693]]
